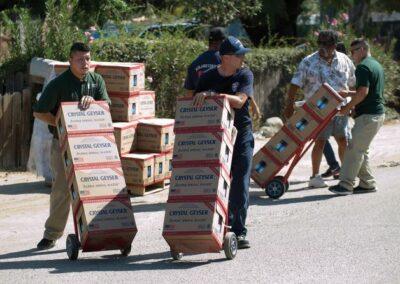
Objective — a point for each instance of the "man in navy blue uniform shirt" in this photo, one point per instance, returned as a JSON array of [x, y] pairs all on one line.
[[236, 82], [206, 60]]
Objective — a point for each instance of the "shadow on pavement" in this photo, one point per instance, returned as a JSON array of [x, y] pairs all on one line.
[[25, 188], [161, 261], [259, 198], [151, 207], [29, 252]]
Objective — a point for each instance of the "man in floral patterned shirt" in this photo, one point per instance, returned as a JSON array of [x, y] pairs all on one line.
[[336, 69]]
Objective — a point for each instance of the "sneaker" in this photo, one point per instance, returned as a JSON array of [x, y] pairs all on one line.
[[360, 189], [340, 190], [317, 182], [45, 244], [242, 242], [329, 172]]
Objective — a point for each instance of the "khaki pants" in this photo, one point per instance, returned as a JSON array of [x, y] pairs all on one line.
[[60, 198], [356, 160]]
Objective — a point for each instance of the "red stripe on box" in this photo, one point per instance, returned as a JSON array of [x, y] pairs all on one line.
[[271, 156], [291, 135], [312, 113], [332, 92]]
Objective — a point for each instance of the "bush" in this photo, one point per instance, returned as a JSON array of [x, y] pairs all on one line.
[[166, 59]]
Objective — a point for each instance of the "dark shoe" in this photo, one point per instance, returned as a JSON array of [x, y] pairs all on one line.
[[45, 244], [242, 242], [360, 189], [340, 190], [329, 172]]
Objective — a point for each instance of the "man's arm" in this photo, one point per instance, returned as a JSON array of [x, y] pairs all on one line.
[[238, 100], [291, 94], [356, 98], [46, 117]]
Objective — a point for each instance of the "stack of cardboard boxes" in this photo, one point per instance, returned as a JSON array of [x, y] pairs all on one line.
[[101, 206], [197, 206], [144, 143], [304, 125]]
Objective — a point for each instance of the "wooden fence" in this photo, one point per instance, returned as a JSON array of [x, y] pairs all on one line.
[[15, 123]]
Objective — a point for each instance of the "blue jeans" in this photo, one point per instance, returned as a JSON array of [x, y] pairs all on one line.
[[241, 169], [330, 156]]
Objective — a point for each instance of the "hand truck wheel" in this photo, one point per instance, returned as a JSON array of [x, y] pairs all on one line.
[[230, 245], [286, 183], [126, 251], [72, 245], [275, 188], [176, 255]]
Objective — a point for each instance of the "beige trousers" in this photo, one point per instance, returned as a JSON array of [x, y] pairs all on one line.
[[356, 160], [60, 198]]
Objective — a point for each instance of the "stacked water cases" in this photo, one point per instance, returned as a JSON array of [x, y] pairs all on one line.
[[304, 125], [197, 208], [102, 211]]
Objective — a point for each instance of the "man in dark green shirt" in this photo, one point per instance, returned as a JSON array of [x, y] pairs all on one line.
[[76, 84], [369, 110]]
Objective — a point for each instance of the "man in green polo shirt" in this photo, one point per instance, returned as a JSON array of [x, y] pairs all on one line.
[[369, 117], [76, 84]]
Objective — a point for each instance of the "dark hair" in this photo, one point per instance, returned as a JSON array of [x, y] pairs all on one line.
[[327, 38], [79, 46], [216, 34], [341, 47], [360, 42]]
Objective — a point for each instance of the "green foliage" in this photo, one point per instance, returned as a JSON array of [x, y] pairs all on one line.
[[166, 59], [220, 12], [60, 32]]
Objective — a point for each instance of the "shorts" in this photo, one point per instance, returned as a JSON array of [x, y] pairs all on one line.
[[338, 127]]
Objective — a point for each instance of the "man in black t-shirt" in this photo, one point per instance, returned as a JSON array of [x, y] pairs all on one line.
[[236, 82], [206, 60]]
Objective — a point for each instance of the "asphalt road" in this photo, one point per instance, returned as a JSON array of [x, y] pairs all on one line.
[[309, 235]]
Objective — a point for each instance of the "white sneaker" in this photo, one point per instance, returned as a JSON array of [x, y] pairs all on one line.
[[317, 182]]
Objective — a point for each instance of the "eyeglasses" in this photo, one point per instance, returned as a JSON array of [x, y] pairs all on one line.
[[355, 49]]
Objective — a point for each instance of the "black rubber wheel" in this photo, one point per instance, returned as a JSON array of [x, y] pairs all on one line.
[[286, 183], [230, 245], [176, 255], [72, 246], [275, 188], [126, 251]]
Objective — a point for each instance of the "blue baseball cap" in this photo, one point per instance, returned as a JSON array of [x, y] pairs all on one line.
[[232, 46]]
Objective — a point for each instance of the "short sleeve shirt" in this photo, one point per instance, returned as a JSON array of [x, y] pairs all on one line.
[[201, 64], [240, 82], [313, 71], [68, 88], [369, 73]]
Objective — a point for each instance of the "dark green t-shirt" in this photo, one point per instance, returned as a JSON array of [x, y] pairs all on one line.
[[369, 73], [68, 88]]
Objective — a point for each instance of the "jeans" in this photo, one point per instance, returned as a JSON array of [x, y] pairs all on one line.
[[241, 169], [330, 156]]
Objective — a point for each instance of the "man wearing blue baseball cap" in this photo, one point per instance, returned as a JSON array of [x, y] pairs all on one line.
[[230, 78]]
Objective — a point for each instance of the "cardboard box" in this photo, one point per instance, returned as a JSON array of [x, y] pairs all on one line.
[[138, 105], [89, 150], [96, 182], [191, 179], [302, 124], [159, 167], [168, 164], [216, 111], [60, 67], [324, 101], [155, 135], [282, 146], [209, 144], [138, 169], [196, 226], [122, 77], [263, 168], [105, 224], [125, 136], [71, 119]]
